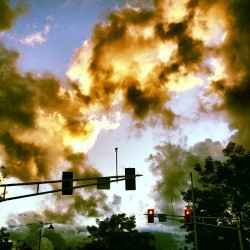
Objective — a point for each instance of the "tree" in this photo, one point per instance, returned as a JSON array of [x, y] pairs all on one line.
[[4, 239], [4, 235], [224, 194], [3, 174], [118, 232]]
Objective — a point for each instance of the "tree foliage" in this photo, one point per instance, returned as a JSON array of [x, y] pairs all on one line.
[[118, 232], [4, 235], [224, 195], [3, 174]]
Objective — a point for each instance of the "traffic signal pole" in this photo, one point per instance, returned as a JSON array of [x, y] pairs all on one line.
[[238, 228], [193, 208], [195, 223], [239, 233]]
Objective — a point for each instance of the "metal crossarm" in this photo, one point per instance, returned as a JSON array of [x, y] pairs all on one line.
[[38, 183]]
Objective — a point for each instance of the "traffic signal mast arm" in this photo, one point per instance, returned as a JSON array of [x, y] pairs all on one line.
[[162, 217], [38, 183], [188, 220]]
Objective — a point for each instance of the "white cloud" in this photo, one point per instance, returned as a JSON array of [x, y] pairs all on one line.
[[51, 17], [37, 37], [32, 39], [46, 29]]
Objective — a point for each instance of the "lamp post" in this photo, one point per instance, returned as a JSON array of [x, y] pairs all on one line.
[[40, 232]]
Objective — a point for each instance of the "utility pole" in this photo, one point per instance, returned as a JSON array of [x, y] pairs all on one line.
[[172, 207], [239, 233], [193, 208]]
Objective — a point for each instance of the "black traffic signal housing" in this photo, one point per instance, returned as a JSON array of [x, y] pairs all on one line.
[[162, 217], [103, 183], [130, 179], [187, 216], [151, 215], [67, 183]]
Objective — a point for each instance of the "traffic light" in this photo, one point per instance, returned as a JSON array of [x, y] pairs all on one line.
[[130, 181], [67, 183], [151, 214], [187, 216], [162, 217]]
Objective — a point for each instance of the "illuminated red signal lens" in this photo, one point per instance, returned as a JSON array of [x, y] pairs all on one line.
[[187, 216], [151, 215]]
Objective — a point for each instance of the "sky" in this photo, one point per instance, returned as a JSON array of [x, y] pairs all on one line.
[[166, 82]]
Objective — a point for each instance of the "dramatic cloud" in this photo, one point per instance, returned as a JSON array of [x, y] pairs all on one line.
[[47, 129], [143, 57], [234, 88], [224, 42], [172, 165], [136, 62], [36, 111], [109, 67]]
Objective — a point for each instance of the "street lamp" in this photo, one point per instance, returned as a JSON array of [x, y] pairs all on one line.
[[40, 232]]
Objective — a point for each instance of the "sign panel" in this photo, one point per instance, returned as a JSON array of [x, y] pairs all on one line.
[[103, 183]]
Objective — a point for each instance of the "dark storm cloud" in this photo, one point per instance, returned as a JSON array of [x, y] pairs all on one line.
[[20, 98], [141, 100], [114, 36], [173, 164], [190, 52], [79, 205], [16, 98], [19, 156], [77, 160], [147, 100], [87, 203], [234, 89], [174, 30], [237, 103], [127, 35], [31, 109]]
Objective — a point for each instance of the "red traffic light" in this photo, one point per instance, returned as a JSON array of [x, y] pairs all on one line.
[[150, 211], [187, 216], [151, 214]]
